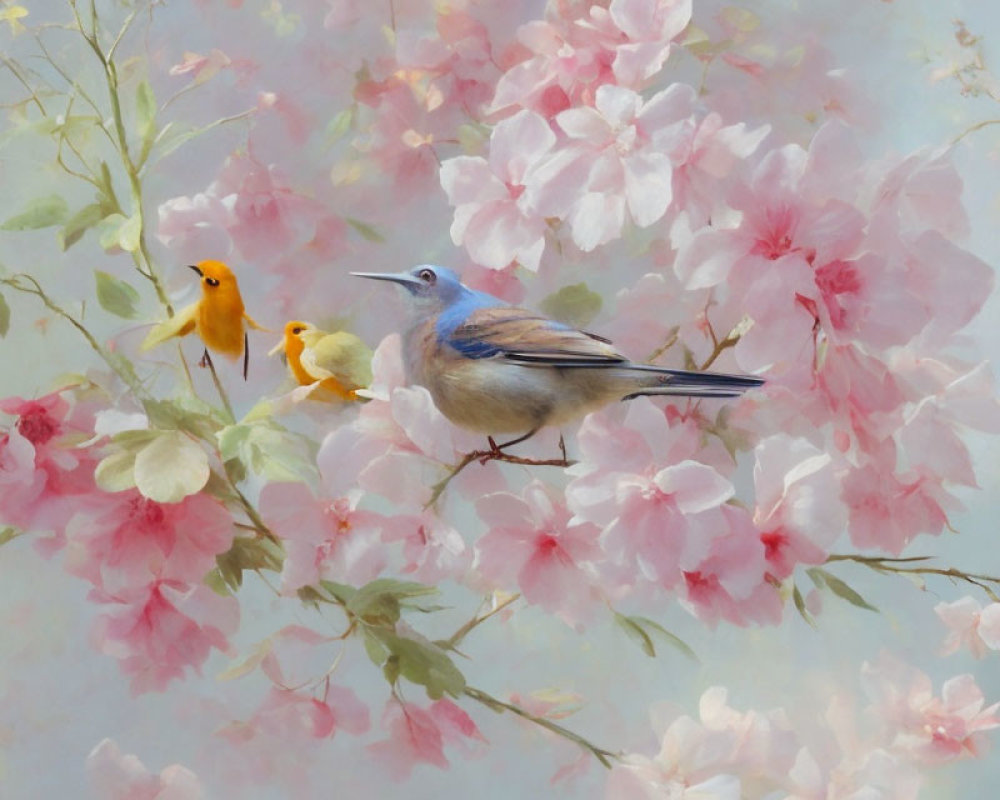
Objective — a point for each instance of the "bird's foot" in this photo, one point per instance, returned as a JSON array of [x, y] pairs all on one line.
[[206, 360]]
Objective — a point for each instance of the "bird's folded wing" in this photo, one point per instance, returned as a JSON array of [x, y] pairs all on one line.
[[180, 324], [341, 356], [520, 335]]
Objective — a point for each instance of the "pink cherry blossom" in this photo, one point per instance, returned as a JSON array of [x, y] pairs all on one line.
[[432, 549], [158, 631], [418, 736], [117, 776], [124, 540], [44, 472], [658, 507], [617, 158], [732, 582], [799, 512], [887, 510], [323, 539], [492, 219], [531, 542], [970, 625]]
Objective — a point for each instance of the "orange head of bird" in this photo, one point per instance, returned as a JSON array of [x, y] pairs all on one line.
[[215, 276]]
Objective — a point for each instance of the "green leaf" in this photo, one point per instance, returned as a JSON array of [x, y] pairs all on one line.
[[379, 602], [374, 648], [8, 533], [340, 124], [116, 295], [636, 633], [269, 451], [367, 231], [145, 112], [574, 305], [422, 662], [639, 629], [170, 468], [119, 231], [800, 606], [42, 212], [823, 579], [84, 219], [184, 412], [4, 316]]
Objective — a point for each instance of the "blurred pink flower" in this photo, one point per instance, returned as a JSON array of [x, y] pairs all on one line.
[[970, 626], [923, 727], [116, 776], [158, 631], [419, 736], [492, 219], [290, 715], [328, 539], [531, 542], [432, 549]]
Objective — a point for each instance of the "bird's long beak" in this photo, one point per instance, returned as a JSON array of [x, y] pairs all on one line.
[[196, 269], [402, 278]]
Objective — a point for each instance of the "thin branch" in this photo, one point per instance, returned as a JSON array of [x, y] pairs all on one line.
[[898, 566], [972, 129], [455, 639], [482, 456], [602, 755]]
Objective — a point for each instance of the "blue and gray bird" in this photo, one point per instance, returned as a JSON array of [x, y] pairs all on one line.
[[495, 368]]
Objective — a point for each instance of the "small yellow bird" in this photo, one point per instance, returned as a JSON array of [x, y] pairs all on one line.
[[340, 361], [219, 317]]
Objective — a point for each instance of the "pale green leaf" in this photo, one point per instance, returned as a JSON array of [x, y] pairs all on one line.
[[340, 124], [636, 633], [170, 468], [8, 533], [249, 664], [115, 473], [118, 231], [574, 305], [672, 639], [367, 231], [84, 219], [4, 316], [800, 606], [42, 212], [145, 111], [116, 295], [822, 579]]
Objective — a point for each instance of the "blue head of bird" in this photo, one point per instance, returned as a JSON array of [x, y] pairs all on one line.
[[431, 288]]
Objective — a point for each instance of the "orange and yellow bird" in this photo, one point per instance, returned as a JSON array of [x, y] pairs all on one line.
[[340, 362], [219, 318]]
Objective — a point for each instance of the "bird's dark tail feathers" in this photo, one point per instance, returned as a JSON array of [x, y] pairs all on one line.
[[686, 383]]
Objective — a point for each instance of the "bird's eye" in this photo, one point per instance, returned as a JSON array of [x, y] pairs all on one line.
[[211, 281], [296, 330], [427, 276]]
